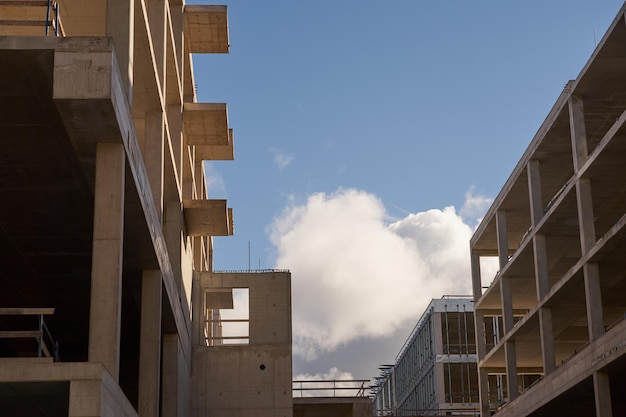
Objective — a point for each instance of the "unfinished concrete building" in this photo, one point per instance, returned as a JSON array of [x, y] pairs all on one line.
[[105, 219], [435, 372], [550, 325]]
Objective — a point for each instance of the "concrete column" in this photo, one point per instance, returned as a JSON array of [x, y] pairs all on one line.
[[602, 394], [121, 27], [477, 284], [156, 20], [534, 191], [506, 298], [547, 340], [483, 390], [173, 224], [481, 342], [542, 281], [170, 395], [511, 370], [506, 295], [150, 344], [578, 131], [85, 398], [197, 305], [153, 154], [585, 215], [440, 383], [593, 298], [106, 272], [503, 239]]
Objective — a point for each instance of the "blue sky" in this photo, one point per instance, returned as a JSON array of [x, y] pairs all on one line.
[[379, 116]]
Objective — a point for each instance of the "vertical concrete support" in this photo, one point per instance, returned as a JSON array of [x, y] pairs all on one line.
[[481, 342], [85, 398], [153, 153], [593, 298], [503, 239], [477, 284], [483, 390], [602, 394], [578, 131], [506, 298], [150, 344], [173, 224], [120, 26], [585, 215], [157, 21], [197, 305], [506, 295], [106, 273], [547, 340], [511, 370], [534, 191], [170, 396], [541, 266], [440, 383]]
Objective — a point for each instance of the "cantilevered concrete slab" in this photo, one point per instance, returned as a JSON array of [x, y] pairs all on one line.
[[206, 29], [206, 124], [217, 152], [208, 218]]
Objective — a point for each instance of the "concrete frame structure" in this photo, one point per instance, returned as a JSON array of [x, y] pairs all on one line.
[[435, 371], [550, 324], [105, 219]]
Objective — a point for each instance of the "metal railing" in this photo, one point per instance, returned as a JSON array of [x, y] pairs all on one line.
[[52, 23], [330, 388], [46, 345]]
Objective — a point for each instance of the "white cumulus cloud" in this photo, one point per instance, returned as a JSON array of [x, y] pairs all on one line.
[[356, 276], [282, 159]]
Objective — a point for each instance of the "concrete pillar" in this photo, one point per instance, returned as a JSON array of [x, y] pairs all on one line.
[[511, 369], [547, 340], [150, 344], [578, 131], [602, 394], [173, 224], [542, 281], [153, 154], [197, 305], [503, 239], [585, 215], [506, 298], [170, 395], [440, 383], [506, 294], [534, 191], [477, 284], [85, 398], [593, 298], [121, 27], [157, 21], [483, 390], [481, 343], [106, 272]]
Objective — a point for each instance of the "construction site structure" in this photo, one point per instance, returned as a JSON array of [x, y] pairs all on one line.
[[108, 302], [435, 371], [551, 334]]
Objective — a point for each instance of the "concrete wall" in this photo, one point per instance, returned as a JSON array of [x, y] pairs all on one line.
[[253, 379]]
